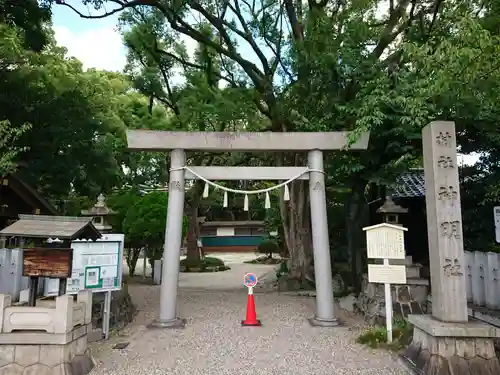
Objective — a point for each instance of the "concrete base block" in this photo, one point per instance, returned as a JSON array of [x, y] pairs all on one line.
[[318, 322], [95, 335], [174, 323], [437, 328], [68, 357], [440, 348]]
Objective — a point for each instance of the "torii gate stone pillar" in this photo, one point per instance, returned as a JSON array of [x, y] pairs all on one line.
[[178, 142]]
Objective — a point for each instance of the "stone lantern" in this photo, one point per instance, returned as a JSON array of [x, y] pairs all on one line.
[[100, 213], [390, 211]]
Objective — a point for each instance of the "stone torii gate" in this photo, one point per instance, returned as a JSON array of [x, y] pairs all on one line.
[[178, 142]]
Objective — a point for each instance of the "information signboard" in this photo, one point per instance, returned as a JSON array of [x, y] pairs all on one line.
[[97, 265], [386, 274], [385, 241]]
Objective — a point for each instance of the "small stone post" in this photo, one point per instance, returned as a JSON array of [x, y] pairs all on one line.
[[325, 313], [5, 301], [64, 314], [85, 296]]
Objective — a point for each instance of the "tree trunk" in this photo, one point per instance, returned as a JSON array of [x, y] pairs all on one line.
[[131, 259], [283, 250], [297, 233], [192, 253], [192, 234], [155, 253], [355, 209], [153, 270]]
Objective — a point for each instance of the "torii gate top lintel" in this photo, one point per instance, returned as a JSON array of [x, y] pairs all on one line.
[[153, 140]]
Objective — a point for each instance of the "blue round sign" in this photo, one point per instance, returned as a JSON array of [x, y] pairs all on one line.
[[250, 280]]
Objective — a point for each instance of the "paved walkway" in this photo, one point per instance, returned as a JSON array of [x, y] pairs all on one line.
[[214, 342]]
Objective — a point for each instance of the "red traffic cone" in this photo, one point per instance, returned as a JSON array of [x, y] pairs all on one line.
[[251, 318]]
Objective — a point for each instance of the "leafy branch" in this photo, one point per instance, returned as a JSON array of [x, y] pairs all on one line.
[[8, 149]]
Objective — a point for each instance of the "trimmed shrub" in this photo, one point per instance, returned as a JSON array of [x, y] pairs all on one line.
[[268, 247]]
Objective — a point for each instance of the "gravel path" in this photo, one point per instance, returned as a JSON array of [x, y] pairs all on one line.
[[227, 280], [228, 258], [214, 342]]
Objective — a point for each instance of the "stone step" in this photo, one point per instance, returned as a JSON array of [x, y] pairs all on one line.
[[95, 335], [417, 281], [413, 271], [374, 312], [415, 289], [408, 261]]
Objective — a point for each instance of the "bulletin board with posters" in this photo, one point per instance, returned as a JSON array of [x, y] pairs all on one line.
[[97, 265]]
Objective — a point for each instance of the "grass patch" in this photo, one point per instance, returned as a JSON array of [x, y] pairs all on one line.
[[376, 337], [264, 260], [209, 261], [207, 264]]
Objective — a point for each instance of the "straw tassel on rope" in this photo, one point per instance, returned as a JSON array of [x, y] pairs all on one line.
[[225, 199], [267, 203], [245, 204], [205, 191], [286, 194]]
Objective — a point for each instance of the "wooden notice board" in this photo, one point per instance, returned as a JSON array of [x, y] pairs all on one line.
[[47, 262]]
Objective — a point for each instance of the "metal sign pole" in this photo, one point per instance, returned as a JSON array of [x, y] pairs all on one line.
[[388, 307], [106, 314], [496, 218]]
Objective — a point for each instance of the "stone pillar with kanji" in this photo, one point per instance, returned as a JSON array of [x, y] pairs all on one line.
[[446, 342]]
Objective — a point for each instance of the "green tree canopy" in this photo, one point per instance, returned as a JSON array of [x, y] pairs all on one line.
[[145, 221], [383, 66], [71, 114]]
